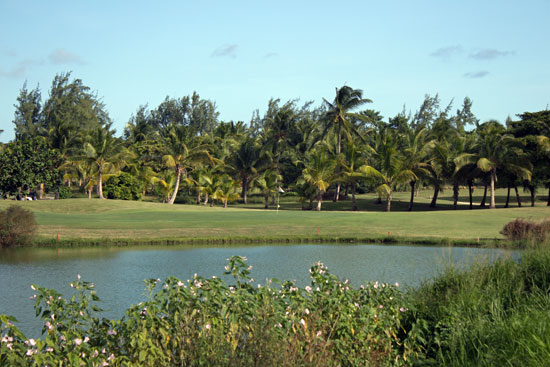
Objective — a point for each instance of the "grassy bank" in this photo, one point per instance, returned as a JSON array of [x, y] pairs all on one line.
[[94, 222]]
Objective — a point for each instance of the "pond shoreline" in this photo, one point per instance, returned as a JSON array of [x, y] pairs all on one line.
[[116, 242]]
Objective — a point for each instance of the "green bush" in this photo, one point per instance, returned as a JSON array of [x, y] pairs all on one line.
[[17, 226], [123, 187], [211, 322], [65, 192]]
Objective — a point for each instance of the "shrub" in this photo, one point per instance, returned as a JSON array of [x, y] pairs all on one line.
[[123, 187], [523, 230], [65, 192], [17, 226]]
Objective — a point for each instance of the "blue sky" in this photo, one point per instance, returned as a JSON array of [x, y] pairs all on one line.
[[241, 53]]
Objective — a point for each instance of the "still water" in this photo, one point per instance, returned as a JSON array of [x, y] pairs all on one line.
[[118, 273]]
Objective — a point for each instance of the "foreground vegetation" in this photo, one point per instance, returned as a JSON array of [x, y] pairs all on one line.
[[82, 221], [491, 314]]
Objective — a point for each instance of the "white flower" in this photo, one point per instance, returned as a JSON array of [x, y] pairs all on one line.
[[306, 311], [303, 322], [78, 341], [33, 287], [308, 289], [396, 284], [78, 276], [207, 326], [180, 283]]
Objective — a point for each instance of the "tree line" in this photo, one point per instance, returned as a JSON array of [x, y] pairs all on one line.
[[326, 152]]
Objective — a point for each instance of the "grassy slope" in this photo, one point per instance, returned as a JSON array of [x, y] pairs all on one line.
[[85, 219]]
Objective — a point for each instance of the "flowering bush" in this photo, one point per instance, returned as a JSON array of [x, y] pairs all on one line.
[[206, 322]]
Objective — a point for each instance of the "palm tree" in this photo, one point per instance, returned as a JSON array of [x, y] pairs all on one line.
[[496, 150], [106, 152], [339, 117], [353, 168], [227, 190], [319, 172], [245, 163], [268, 184], [392, 168], [165, 185], [182, 150], [415, 155]]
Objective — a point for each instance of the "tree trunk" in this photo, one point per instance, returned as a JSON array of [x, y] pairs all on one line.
[[205, 199], [175, 193], [198, 197], [484, 199], [100, 185], [470, 192], [493, 179], [434, 199], [89, 193], [411, 202], [353, 188], [346, 193], [455, 195], [508, 196], [41, 191], [338, 151], [225, 203], [388, 202], [518, 198], [548, 200], [266, 201], [319, 200], [245, 190], [532, 191]]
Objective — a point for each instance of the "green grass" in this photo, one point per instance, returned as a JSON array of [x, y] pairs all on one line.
[[488, 315], [84, 220]]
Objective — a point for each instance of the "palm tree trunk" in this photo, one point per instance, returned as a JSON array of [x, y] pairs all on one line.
[[353, 188], [225, 203], [470, 191], [388, 202], [319, 200], [434, 199], [198, 196], [455, 195], [175, 193], [205, 199], [245, 190], [508, 196], [338, 151], [89, 193], [482, 204], [411, 202], [100, 185], [532, 191], [548, 202], [493, 179], [518, 198]]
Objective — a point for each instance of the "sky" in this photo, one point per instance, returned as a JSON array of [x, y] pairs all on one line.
[[240, 54]]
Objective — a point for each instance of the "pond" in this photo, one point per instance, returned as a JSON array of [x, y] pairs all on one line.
[[118, 273]]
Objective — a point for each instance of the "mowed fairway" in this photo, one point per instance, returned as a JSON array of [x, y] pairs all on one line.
[[147, 221]]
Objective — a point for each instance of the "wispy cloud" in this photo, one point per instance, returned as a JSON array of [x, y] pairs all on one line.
[[19, 70], [476, 74], [62, 56], [490, 54], [446, 53], [9, 52], [225, 51], [270, 55]]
